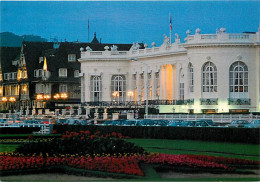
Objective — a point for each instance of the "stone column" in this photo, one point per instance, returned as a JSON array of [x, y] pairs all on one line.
[[153, 85], [57, 112], [96, 116], [105, 114], [33, 111], [106, 91], [71, 110], [138, 86], [63, 112], [79, 110], [87, 111]]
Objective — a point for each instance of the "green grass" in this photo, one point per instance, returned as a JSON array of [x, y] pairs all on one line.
[[235, 150], [8, 147]]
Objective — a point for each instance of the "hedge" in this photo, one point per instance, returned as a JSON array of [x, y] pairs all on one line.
[[19, 130], [218, 134]]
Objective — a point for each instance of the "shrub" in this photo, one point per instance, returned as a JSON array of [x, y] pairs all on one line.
[[219, 134], [81, 143]]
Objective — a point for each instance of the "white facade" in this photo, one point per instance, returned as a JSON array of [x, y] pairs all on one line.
[[208, 73]]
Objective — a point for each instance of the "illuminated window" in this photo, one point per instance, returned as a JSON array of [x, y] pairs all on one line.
[[238, 77], [209, 77], [118, 84], [24, 74], [95, 88]]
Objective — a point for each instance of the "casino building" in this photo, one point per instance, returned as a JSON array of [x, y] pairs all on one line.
[[208, 73]]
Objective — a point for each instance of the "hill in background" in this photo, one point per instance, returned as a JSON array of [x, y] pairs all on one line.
[[8, 39]]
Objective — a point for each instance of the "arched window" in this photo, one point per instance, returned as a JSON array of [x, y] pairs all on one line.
[[191, 78], [118, 87], [95, 84], [209, 77], [238, 77]]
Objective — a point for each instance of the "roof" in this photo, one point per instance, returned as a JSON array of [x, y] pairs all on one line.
[[57, 57], [7, 55]]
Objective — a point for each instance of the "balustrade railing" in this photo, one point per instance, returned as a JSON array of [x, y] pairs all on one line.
[[235, 101], [208, 101]]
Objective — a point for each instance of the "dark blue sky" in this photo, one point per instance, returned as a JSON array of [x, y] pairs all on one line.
[[126, 22]]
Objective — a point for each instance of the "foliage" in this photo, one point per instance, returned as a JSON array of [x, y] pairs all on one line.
[[18, 130], [218, 134], [81, 143], [125, 165]]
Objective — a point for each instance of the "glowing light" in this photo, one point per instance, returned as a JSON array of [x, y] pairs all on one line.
[[39, 97], [12, 99], [45, 64], [46, 97], [19, 75], [115, 94], [4, 99], [56, 96], [63, 95], [130, 93]]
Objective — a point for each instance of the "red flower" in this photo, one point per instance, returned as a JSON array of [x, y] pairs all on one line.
[[87, 132], [54, 131]]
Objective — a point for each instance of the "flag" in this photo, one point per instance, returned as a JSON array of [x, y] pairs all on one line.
[[88, 23], [170, 22], [45, 64]]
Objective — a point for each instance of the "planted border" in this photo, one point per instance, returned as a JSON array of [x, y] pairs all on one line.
[[217, 134]]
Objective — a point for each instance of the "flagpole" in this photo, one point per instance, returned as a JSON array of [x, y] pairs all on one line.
[[170, 28]]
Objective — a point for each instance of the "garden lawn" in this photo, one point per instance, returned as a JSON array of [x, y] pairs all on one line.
[[8, 147], [231, 150]]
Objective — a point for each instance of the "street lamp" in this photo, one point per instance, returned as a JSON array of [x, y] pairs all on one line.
[[146, 71]]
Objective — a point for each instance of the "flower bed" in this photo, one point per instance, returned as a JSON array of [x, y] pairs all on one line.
[[125, 165], [106, 153]]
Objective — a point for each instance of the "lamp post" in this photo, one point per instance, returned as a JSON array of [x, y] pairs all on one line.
[[146, 87]]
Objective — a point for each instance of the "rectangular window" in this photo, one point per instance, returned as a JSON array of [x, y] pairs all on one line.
[[63, 88], [14, 75], [157, 83], [71, 58], [181, 91], [6, 76], [76, 73], [40, 72], [36, 73], [63, 72], [96, 88]]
